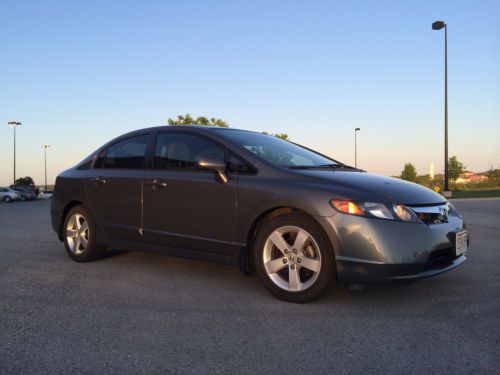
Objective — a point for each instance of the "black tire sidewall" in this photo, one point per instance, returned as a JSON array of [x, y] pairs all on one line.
[[327, 273], [93, 250]]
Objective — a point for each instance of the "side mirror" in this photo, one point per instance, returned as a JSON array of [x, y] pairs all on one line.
[[214, 164]]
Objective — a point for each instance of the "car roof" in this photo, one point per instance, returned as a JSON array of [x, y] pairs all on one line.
[[196, 128]]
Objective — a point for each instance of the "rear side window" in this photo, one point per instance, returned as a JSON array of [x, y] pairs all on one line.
[[127, 154], [182, 151]]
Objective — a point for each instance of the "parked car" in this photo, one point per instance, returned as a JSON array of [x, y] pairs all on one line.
[[45, 194], [8, 195], [24, 194], [298, 219]]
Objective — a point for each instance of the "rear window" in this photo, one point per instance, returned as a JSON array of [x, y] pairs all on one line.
[[127, 154]]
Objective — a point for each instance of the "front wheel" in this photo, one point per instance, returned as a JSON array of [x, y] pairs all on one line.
[[294, 258], [7, 199], [80, 236]]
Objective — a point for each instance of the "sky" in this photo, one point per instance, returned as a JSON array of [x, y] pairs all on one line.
[[79, 73]]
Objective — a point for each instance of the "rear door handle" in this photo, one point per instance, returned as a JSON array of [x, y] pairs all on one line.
[[99, 180], [156, 183]]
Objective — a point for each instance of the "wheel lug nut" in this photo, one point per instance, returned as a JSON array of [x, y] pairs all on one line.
[[284, 261], [292, 266], [295, 251], [286, 251]]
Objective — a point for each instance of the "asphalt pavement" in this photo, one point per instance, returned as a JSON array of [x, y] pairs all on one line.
[[135, 312]]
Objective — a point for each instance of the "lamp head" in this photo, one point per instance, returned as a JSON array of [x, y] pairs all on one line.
[[438, 25]]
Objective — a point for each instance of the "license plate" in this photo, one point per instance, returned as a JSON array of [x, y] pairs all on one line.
[[461, 242]]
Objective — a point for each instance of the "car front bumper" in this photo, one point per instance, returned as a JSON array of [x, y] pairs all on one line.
[[370, 250]]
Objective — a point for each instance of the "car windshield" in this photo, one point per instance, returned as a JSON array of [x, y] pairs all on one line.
[[278, 151]]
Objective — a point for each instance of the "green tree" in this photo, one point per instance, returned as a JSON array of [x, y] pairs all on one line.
[[24, 181], [283, 136], [409, 173], [455, 169], [200, 120], [494, 175], [426, 181]]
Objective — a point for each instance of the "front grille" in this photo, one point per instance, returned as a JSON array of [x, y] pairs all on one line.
[[440, 258], [430, 218], [432, 214]]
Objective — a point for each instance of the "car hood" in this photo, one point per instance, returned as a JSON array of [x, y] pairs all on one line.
[[363, 186]]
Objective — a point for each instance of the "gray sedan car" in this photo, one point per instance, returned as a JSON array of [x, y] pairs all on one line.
[[8, 195], [298, 219]]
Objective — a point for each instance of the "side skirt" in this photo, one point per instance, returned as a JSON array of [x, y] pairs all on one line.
[[233, 260]]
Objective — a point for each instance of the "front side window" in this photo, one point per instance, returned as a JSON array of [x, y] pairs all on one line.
[[183, 151], [127, 154]]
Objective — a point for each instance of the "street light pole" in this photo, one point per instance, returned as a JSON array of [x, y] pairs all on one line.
[[356, 147], [45, 147], [438, 25], [14, 124]]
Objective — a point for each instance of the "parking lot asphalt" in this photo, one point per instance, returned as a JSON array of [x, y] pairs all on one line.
[[136, 312]]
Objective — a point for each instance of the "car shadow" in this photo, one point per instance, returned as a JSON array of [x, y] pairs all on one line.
[[111, 253]]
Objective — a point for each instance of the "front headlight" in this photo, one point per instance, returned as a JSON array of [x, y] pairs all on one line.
[[378, 210]]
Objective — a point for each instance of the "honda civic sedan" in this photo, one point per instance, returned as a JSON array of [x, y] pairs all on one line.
[[298, 219]]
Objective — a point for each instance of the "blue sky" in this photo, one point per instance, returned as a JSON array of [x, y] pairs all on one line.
[[79, 73]]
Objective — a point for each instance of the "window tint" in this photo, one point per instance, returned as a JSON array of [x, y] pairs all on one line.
[[182, 151], [126, 154]]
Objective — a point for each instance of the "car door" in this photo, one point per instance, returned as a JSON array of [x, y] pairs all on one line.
[[114, 187], [185, 207]]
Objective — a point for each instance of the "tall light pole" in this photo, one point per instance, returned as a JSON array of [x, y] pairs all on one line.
[[438, 25], [356, 147], [45, 147], [14, 124]]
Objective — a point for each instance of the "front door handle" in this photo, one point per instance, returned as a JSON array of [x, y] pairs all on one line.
[[156, 183], [98, 181]]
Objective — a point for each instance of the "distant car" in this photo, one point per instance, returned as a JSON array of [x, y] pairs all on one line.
[[8, 195], [25, 195], [45, 194]]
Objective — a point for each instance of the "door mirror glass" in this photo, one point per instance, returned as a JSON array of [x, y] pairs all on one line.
[[213, 164]]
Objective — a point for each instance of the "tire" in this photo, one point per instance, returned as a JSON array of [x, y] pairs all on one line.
[[79, 235], [294, 271], [7, 199], [23, 198]]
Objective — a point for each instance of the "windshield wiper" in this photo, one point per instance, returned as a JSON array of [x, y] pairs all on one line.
[[322, 166]]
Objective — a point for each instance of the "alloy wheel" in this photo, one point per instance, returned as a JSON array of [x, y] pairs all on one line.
[[77, 233], [291, 258]]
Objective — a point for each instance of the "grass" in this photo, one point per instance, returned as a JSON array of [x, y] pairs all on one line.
[[476, 193]]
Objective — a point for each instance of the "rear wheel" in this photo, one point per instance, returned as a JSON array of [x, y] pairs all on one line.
[[80, 236], [294, 258], [7, 199]]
